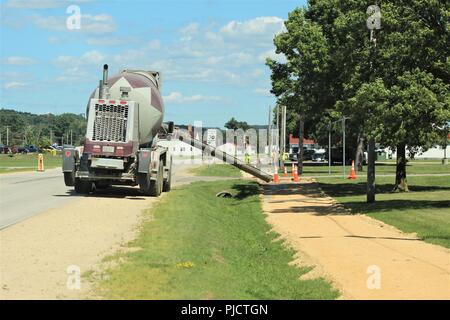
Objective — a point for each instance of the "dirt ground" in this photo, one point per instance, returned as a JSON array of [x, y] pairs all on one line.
[[35, 254], [363, 257]]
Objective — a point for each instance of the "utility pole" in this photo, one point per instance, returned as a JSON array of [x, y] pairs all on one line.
[[329, 149], [269, 135], [283, 136], [7, 136], [51, 136], [343, 142], [373, 23], [343, 145], [71, 141], [277, 160]]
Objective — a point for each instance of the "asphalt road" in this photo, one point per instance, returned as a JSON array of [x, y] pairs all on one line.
[[25, 194]]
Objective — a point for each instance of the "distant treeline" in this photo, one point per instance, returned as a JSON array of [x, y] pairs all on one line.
[[41, 129]]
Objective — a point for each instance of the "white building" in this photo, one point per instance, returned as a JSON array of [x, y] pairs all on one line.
[[180, 149], [436, 152]]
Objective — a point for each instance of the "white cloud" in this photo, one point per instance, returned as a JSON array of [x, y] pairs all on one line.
[[19, 61], [262, 91], [88, 58], [179, 98], [90, 24], [256, 26], [189, 31], [272, 55], [14, 84], [41, 4]]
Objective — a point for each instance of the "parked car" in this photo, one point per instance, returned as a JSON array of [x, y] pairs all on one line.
[[319, 157], [27, 149], [5, 149], [336, 156], [307, 155]]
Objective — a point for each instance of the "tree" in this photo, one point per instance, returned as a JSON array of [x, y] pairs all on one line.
[[297, 82], [234, 124]]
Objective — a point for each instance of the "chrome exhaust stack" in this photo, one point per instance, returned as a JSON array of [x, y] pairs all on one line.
[[103, 84]]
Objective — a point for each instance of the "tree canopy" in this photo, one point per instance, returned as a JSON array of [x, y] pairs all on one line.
[[32, 129], [234, 124]]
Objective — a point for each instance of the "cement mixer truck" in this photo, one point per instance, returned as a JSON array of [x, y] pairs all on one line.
[[124, 127]]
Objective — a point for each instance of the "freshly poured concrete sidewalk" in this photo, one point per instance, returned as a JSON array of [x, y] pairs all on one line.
[[357, 253]]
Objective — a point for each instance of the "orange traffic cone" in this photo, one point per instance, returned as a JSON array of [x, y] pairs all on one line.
[[352, 174], [295, 179], [275, 175], [285, 172]]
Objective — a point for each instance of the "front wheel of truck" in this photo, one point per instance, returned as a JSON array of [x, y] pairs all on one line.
[[69, 179]]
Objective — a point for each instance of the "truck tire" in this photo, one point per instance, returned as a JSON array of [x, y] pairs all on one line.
[[150, 187], [69, 178], [168, 182], [83, 187]]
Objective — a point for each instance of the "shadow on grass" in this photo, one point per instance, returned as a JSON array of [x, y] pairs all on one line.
[[245, 190], [357, 189], [389, 205]]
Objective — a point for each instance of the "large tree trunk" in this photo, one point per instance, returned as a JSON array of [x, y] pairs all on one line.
[[359, 157], [300, 144], [401, 183]]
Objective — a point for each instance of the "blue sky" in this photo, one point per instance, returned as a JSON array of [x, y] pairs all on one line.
[[211, 54]]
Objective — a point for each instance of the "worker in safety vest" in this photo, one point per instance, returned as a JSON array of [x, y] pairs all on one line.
[[247, 158]]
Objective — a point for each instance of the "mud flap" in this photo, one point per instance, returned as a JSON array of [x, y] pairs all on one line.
[[144, 159], [70, 156]]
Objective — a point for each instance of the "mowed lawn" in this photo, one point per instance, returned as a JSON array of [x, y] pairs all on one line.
[[383, 168], [197, 246], [424, 210], [26, 162], [217, 170]]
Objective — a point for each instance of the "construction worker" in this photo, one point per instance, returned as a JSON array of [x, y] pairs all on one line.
[[247, 158]]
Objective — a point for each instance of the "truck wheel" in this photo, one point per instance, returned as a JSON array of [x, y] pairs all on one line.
[[167, 182], [69, 178], [83, 187], [150, 187]]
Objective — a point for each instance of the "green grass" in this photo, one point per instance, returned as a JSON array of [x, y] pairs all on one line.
[[321, 169], [198, 246], [425, 210], [217, 170], [26, 162]]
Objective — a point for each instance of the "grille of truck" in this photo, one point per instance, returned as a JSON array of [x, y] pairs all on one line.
[[110, 123]]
